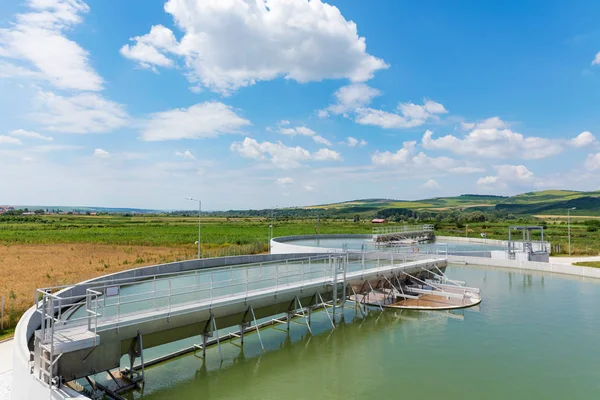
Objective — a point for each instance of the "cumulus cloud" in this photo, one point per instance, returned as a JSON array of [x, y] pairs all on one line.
[[506, 175], [302, 131], [592, 162], [36, 41], [149, 49], [229, 44], [9, 140], [99, 153], [349, 98], [408, 115], [186, 154], [353, 142], [201, 120], [493, 139], [29, 134], [309, 188], [279, 154], [487, 180], [582, 140], [327, 155], [407, 157], [596, 60], [287, 181], [80, 113], [431, 184]]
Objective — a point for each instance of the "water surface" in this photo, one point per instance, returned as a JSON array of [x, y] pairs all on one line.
[[534, 336]]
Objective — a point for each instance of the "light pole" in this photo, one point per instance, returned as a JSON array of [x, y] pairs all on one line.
[[199, 222], [467, 230], [569, 226]]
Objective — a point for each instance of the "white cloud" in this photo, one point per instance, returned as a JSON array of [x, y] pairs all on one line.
[[228, 44], [432, 185], [285, 181], [327, 155], [302, 131], [353, 142], [487, 180], [592, 162], [81, 113], [299, 130], [309, 188], [596, 60], [321, 140], [9, 140], [507, 175], [201, 120], [30, 134], [37, 42], [186, 154], [582, 140], [409, 115], [349, 98], [407, 157], [491, 139], [281, 155], [401, 157], [148, 49], [99, 153]]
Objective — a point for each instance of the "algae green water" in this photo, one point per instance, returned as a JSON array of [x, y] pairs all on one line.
[[534, 336]]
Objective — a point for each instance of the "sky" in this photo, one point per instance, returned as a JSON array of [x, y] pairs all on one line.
[[256, 104]]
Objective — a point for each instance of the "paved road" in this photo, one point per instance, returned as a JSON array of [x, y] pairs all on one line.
[[571, 260]]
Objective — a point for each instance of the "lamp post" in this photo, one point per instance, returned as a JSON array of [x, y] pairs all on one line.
[[467, 230], [199, 221], [569, 226]]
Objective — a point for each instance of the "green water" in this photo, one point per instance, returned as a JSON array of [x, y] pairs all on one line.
[[534, 336]]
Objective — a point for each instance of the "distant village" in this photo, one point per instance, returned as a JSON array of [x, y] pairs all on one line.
[[10, 210]]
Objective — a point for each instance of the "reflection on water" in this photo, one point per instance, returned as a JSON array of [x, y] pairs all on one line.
[[533, 336]]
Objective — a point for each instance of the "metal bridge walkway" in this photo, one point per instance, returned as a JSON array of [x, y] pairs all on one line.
[[111, 319]]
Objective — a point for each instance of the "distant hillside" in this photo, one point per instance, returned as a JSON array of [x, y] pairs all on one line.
[[542, 202]]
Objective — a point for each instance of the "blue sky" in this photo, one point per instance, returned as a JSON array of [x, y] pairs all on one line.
[[252, 104]]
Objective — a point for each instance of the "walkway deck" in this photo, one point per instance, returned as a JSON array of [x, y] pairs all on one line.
[[112, 324]]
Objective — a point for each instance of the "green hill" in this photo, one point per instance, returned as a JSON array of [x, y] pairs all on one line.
[[552, 202]]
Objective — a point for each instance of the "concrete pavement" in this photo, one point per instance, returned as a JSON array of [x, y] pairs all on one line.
[[571, 260], [6, 357]]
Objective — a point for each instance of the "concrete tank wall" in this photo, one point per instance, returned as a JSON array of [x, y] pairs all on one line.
[[280, 245], [24, 384]]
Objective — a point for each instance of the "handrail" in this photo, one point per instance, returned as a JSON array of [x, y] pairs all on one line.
[[172, 290]]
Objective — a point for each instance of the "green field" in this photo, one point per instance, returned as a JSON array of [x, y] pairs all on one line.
[[159, 231], [227, 232], [549, 202]]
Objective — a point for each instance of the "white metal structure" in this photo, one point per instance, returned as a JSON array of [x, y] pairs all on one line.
[[82, 335]]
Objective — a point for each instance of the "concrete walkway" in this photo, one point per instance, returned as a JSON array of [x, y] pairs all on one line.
[[571, 260], [6, 358]]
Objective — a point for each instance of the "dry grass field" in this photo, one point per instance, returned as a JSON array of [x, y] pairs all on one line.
[[26, 267]]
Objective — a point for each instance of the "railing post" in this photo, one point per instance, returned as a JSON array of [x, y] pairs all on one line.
[[211, 288], [153, 293], [169, 313]]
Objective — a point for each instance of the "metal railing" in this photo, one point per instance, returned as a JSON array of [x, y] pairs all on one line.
[[383, 230]]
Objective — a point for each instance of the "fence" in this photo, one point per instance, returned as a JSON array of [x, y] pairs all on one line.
[[382, 230]]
